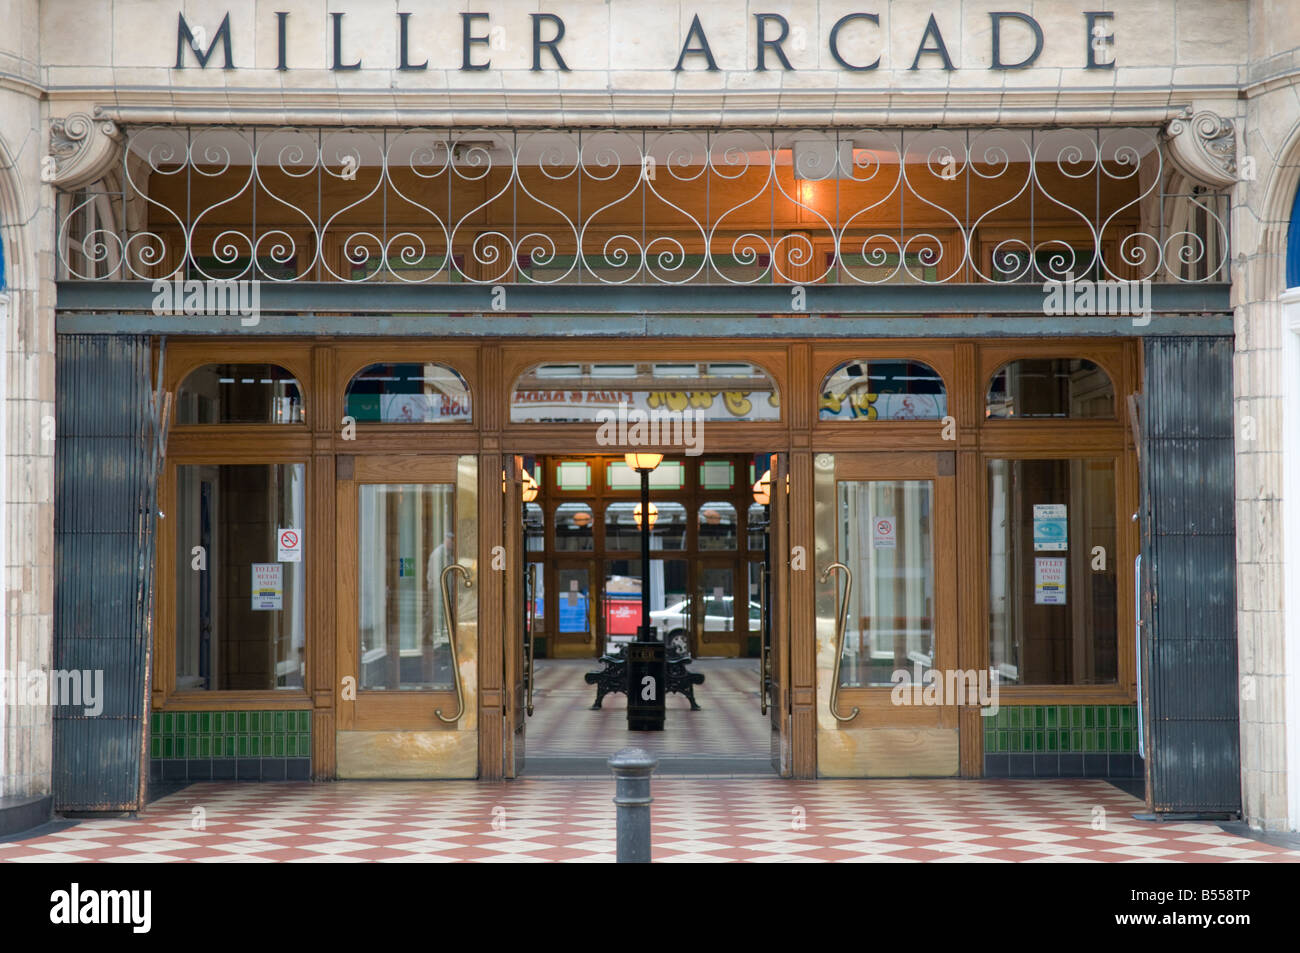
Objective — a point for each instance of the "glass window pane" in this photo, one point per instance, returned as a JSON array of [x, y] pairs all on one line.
[[573, 475], [1053, 602], [534, 528], [717, 474], [405, 539], [573, 529], [239, 394], [1051, 387], [717, 526], [886, 539], [408, 394], [653, 397], [756, 519], [241, 615], [669, 475], [883, 390], [573, 597], [716, 621], [622, 600], [667, 528]]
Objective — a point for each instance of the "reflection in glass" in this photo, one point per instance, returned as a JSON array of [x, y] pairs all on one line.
[[622, 600], [886, 539], [534, 528], [241, 621], [667, 532], [408, 394], [573, 528], [756, 521], [1053, 609], [683, 392], [717, 599], [717, 526], [405, 539], [883, 390], [239, 394], [573, 595], [1050, 387]]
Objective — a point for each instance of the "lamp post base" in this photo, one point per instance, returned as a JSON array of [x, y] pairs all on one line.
[[647, 682]]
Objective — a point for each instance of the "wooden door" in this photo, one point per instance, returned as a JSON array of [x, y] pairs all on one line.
[[407, 612]]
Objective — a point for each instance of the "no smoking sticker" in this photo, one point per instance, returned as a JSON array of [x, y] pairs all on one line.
[[882, 533], [290, 545]]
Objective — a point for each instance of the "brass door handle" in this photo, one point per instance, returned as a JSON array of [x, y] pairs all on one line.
[[841, 618], [449, 616]]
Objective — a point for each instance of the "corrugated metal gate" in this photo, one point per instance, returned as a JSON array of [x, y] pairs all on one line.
[[1189, 661], [109, 444]]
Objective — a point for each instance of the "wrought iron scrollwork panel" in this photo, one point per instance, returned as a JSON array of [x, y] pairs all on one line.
[[621, 206]]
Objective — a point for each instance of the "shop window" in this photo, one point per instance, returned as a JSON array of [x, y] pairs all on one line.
[[239, 394], [534, 528], [1052, 262], [214, 268], [573, 528], [875, 265], [573, 475], [669, 475], [240, 580], [408, 394], [1050, 387], [757, 522], [667, 526], [717, 526], [661, 403], [1053, 601], [870, 390], [717, 474], [408, 267]]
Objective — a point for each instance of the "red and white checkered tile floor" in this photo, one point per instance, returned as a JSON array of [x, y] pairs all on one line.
[[760, 819]]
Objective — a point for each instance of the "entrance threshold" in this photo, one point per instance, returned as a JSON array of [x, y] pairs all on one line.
[[569, 767]]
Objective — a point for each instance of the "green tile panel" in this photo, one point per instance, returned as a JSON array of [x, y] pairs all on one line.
[[1068, 729], [230, 734]]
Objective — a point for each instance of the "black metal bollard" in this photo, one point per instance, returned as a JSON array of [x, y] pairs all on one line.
[[632, 769]]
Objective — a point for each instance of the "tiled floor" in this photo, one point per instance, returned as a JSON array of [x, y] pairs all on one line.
[[760, 819], [728, 726]]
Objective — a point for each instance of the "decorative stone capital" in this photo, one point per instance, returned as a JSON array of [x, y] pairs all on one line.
[[83, 149], [1203, 146]]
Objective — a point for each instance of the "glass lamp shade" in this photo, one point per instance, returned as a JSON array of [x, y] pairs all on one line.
[[654, 515], [643, 462], [763, 489]]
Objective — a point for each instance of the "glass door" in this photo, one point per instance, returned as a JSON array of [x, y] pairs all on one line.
[[573, 609], [886, 604], [516, 612], [407, 616]]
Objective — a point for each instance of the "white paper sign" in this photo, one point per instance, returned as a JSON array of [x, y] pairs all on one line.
[[883, 533], [289, 542], [1049, 580], [268, 586]]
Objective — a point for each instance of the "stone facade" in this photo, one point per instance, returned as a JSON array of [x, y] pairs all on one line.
[[115, 61]]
